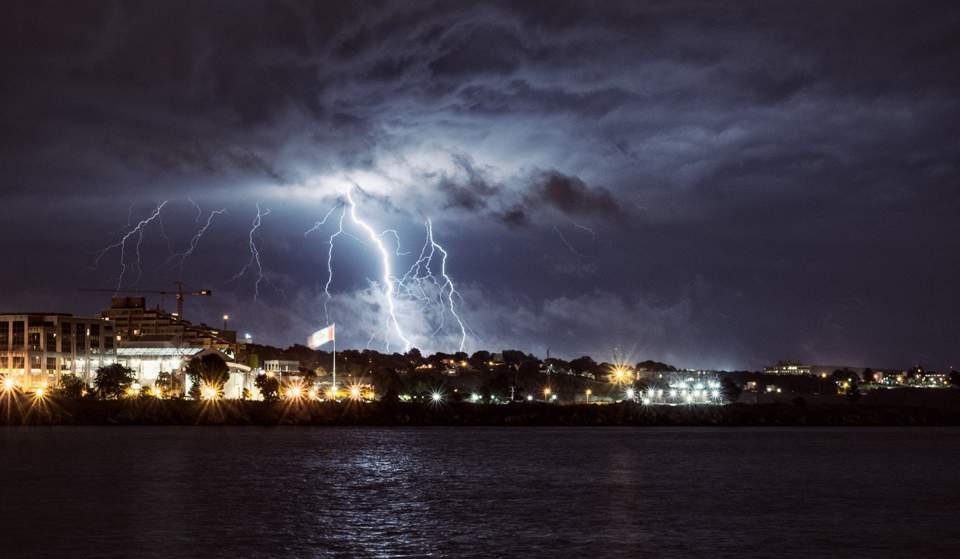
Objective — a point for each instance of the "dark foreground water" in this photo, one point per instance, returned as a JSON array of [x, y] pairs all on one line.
[[524, 492]]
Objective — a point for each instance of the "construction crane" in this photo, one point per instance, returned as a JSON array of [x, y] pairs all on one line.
[[179, 294]]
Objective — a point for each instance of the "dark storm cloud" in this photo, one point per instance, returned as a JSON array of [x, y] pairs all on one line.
[[764, 153], [472, 192], [571, 196]]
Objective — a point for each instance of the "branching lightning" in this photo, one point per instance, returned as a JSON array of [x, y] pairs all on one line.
[[122, 245], [195, 240], [388, 279], [254, 252], [422, 282], [447, 284], [337, 233]]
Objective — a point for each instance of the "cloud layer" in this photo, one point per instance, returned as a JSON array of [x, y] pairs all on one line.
[[716, 185]]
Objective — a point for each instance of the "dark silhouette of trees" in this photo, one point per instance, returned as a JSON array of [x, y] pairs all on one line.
[[269, 387], [210, 370], [654, 366], [112, 381], [584, 364], [731, 391], [171, 384], [480, 358], [71, 386]]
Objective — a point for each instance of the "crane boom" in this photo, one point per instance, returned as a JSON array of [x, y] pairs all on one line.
[[179, 293]]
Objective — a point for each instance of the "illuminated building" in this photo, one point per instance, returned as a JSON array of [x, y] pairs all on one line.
[[281, 366], [36, 349], [136, 324], [788, 368]]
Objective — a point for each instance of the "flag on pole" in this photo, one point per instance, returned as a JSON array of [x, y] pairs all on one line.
[[320, 337]]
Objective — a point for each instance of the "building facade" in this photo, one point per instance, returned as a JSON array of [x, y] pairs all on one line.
[[37, 349], [788, 368], [135, 324]]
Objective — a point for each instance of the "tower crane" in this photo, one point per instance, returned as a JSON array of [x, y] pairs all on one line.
[[179, 293]]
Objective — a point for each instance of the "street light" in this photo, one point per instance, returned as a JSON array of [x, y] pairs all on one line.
[[589, 392], [546, 393], [226, 317]]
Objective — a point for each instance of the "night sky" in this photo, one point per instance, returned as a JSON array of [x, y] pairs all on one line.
[[712, 186]]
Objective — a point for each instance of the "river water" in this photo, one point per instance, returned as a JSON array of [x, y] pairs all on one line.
[[489, 492]]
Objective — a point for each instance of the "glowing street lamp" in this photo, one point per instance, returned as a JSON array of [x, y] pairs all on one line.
[[619, 374], [436, 397], [8, 384], [546, 393], [589, 392], [209, 393]]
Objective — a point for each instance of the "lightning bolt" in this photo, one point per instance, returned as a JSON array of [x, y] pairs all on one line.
[[195, 240], [420, 283], [337, 233], [122, 245], [567, 243], [254, 252], [420, 273], [198, 208], [388, 279], [447, 284], [585, 228]]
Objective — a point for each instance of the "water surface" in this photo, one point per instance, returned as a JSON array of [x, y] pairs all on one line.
[[456, 492]]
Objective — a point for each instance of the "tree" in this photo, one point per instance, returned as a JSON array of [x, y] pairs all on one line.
[[583, 364], [210, 370], [731, 390], [415, 356], [71, 386], [269, 387], [480, 358], [112, 381], [170, 384], [853, 391], [868, 375]]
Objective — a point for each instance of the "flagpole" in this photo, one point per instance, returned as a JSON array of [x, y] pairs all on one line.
[[334, 361]]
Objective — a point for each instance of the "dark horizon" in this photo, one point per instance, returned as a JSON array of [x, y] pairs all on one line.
[[716, 187]]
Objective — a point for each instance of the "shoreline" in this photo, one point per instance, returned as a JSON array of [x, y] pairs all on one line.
[[25, 411]]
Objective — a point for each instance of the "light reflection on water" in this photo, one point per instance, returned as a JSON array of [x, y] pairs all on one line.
[[291, 492]]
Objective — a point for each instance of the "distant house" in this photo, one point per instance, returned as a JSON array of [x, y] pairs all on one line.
[[788, 368], [281, 366]]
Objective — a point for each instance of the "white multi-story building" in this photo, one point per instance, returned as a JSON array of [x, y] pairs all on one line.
[[37, 349]]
